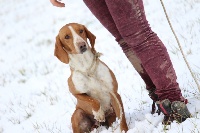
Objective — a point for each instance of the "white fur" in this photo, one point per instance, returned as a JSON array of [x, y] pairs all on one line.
[[76, 39], [81, 62], [99, 84], [99, 115]]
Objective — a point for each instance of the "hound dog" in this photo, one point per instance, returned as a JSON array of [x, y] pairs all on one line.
[[91, 81]]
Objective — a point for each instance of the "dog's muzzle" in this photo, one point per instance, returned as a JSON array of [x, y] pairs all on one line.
[[82, 47]]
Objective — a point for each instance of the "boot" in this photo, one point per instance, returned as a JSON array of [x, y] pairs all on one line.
[[176, 110], [180, 111], [154, 97]]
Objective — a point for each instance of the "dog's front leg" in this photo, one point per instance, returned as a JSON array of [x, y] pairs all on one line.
[[97, 111], [99, 115]]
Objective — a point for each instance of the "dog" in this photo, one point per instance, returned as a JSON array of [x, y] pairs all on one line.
[[91, 82]]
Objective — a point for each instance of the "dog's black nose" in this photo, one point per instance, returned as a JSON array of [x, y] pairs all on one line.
[[82, 47]]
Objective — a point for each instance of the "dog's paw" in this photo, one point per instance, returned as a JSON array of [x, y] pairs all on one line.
[[99, 115]]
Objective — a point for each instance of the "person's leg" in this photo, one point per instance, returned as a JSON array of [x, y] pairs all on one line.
[[130, 19], [101, 12], [131, 22]]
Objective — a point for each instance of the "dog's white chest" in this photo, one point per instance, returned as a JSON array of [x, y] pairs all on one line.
[[98, 85]]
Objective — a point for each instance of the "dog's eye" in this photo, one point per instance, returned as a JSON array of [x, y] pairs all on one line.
[[81, 31], [67, 37]]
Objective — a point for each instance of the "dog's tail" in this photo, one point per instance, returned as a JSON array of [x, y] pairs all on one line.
[[119, 105]]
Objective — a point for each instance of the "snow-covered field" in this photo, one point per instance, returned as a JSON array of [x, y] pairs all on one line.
[[34, 95]]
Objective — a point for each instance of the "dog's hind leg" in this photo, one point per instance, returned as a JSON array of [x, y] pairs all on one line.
[[81, 122], [110, 119], [119, 110]]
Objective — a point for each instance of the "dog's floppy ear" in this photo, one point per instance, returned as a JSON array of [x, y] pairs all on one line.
[[59, 51], [91, 37]]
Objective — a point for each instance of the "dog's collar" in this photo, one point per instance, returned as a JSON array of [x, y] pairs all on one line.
[[94, 64]]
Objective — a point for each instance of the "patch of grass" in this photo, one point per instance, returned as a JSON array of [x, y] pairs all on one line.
[[28, 114], [22, 81], [36, 126], [22, 71], [14, 121], [53, 100]]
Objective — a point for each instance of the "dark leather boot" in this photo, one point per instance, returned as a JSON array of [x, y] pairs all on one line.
[[176, 110]]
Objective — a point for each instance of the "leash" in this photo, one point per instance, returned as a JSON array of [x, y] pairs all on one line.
[[198, 86]]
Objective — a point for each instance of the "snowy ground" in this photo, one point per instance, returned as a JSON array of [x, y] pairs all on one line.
[[34, 94]]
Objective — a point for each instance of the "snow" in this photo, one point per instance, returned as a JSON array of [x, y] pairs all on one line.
[[34, 95]]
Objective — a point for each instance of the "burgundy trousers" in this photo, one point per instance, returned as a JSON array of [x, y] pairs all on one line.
[[126, 21]]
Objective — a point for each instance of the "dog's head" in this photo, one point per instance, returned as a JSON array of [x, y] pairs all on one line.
[[72, 39]]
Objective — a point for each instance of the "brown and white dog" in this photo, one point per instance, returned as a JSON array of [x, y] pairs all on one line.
[[91, 81]]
